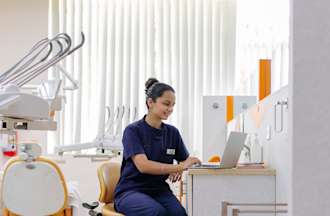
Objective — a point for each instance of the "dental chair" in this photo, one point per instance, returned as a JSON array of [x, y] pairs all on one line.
[[108, 174], [34, 186]]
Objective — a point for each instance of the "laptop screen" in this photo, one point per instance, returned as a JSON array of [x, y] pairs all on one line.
[[233, 149]]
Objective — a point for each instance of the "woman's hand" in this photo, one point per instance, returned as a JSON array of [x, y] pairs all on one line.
[[190, 161], [174, 177]]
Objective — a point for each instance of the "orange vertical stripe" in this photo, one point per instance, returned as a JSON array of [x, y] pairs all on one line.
[[264, 78], [230, 108], [68, 212], [268, 78]]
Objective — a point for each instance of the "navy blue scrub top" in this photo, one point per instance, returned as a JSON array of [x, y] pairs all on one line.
[[161, 145]]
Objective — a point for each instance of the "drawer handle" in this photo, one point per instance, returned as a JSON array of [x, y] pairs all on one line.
[[224, 208], [237, 212]]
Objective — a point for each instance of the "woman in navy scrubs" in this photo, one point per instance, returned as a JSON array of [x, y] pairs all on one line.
[[150, 146]]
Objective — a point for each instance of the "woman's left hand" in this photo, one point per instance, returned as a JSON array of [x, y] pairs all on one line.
[[174, 177]]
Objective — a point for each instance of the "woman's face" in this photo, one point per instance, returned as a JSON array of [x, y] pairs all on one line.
[[163, 107]]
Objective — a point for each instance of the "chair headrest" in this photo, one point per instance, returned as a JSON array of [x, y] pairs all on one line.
[[33, 185], [33, 188]]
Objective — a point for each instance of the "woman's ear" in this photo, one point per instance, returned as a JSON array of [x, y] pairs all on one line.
[[150, 102]]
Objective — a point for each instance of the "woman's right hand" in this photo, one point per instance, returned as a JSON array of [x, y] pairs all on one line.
[[190, 161]]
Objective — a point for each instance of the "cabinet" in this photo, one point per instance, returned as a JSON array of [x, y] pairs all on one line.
[[208, 188]]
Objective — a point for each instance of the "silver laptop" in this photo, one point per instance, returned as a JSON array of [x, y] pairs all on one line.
[[231, 153]]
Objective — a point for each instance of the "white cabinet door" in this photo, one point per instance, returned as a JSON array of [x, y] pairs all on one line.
[[209, 191]]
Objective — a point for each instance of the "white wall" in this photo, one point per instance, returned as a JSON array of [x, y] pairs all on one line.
[[310, 101], [22, 24]]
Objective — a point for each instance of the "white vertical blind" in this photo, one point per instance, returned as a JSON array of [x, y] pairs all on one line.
[[53, 28], [69, 116], [77, 71], [110, 60], [102, 54], [189, 44], [62, 27]]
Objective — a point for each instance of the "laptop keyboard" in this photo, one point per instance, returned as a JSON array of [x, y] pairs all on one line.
[[206, 166]]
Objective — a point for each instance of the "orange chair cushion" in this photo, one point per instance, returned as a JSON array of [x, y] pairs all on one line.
[[108, 174]]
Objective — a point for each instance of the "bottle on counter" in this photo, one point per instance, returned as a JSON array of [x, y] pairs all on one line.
[[256, 150]]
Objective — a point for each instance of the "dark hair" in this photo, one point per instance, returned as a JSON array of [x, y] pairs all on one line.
[[155, 89]]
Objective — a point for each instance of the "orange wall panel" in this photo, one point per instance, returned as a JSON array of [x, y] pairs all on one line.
[[264, 78], [230, 108]]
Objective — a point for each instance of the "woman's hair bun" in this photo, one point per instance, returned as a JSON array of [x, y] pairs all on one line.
[[150, 82]]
